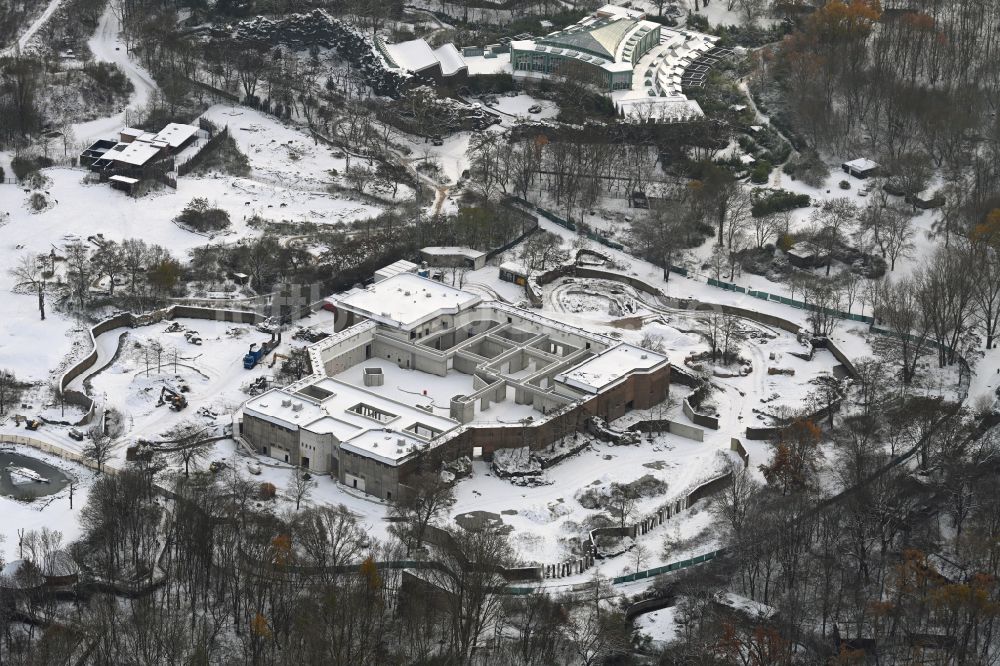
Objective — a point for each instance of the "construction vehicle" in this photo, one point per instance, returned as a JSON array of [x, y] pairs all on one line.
[[168, 396], [274, 360], [257, 386], [192, 337], [269, 325], [32, 424], [257, 353]]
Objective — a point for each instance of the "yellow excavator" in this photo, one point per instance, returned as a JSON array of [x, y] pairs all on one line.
[[168, 396]]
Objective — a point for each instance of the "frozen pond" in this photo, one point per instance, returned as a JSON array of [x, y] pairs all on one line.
[[26, 477]]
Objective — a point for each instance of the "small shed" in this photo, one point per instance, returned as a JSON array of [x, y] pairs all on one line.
[[801, 255], [126, 184], [395, 268], [860, 168], [513, 272], [453, 257]]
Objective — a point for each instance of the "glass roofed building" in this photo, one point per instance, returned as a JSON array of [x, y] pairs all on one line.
[[644, 68], [605, 46]]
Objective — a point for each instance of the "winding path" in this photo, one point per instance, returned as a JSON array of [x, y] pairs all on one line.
[[107, 47]]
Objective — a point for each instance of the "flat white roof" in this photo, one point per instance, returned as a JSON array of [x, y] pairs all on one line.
[[136, 153], [608, 367], [450, 251], [131, 131], [644, 107], [174, 134], [332, 414], [395, 268], [624, 66], [514, 267], [405, 301], [861, 164]]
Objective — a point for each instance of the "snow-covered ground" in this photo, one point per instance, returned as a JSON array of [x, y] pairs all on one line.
[[660, 625], [22, 42], [518, 106], [285, 155], [450, 157], [84, 209], [107, 47]]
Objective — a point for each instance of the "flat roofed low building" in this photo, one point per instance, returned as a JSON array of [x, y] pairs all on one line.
[[453, 257], [609, 367], [395, 268], [130, 134], [137, 153], [405, 301], [175, 135], [860, 168]]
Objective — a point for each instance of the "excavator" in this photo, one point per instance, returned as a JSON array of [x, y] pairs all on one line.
[[168, 396]]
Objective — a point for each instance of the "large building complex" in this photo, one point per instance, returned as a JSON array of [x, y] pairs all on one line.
[[419, 373], [642, 65], [605, 46]]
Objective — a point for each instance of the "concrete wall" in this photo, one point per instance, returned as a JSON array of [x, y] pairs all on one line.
[[396, 351], [737, 446], [673, 427], [55, 450], [705, 420], [380, 480], [349, 353], [264, 436], [319, 449]]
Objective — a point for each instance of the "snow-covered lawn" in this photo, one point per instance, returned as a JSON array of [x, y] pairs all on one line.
[[283, 154]]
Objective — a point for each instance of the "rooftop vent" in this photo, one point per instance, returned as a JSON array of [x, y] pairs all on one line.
[[286, 402], [297, 407]]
